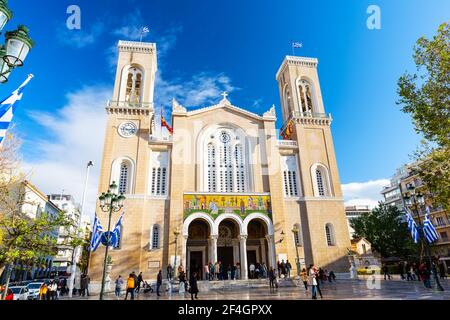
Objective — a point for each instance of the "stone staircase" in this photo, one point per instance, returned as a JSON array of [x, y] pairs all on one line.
[[230, 285]]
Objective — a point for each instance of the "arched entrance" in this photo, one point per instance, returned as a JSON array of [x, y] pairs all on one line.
[[197, 247], [257, 248], [228, 245]]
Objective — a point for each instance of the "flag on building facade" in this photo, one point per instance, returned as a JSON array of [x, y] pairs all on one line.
[[117, 233], [286, 133], [428, 228], [412, 226], [165, 124], [8, 107], [97, 232]]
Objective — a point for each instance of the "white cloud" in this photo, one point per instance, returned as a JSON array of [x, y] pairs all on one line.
[[81, 38], [364, 193], [77, 133], [203, 88]]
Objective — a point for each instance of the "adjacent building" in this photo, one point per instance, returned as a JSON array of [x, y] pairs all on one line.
[[223, 187], [353, 212]]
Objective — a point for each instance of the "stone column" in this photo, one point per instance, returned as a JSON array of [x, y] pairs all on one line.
[[183, 253], [271, 246], [263, 251], [214, 238], [244, 266]]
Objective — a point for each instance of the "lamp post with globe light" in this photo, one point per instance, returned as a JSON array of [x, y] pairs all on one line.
[[110, 202], [17, 47]]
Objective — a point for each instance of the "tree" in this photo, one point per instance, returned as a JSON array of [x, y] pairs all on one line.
[[25, 238], [386, 232], [425, 95]]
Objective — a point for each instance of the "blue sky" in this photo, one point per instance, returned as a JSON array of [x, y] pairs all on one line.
[[207, 47]]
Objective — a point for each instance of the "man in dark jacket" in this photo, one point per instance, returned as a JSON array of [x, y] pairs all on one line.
[[193, 290], [158, 282], [140, 279]]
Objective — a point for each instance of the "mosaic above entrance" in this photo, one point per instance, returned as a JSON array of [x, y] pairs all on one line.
[[217, 204]]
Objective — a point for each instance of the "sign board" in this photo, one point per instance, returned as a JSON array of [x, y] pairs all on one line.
[[154, 265]]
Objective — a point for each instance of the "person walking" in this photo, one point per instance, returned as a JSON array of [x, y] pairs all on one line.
[[158, 283], [193, 288], [119, 285], [401, 269], [314, 282], [83, 285], [169, 272], [206, 271], [272, 278], [304, 278], [288, 268], [53, 290], [442, 273], [233, 272], [140, 280], [43, 292], [130, 287], [216, 271], [387, 275], [238, 271]]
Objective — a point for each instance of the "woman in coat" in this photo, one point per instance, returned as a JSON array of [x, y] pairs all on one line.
[[193, 290]]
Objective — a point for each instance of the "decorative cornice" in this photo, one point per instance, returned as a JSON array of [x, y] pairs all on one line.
[[134, 46], [297, 61], [315, 121], [271, 114], [128, 111], [178, 108]]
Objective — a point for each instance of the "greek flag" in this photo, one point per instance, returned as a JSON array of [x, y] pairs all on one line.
[[412, 226], [145, 30], [428, 228], [97, 232], [297, 45], [8, 107], [116, 234]]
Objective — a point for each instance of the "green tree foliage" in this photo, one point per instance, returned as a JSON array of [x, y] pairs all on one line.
[[386, 232], [425, 96]]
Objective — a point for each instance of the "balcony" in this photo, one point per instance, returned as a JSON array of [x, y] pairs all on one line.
[[287, 144], [160, 140], [125, 107]]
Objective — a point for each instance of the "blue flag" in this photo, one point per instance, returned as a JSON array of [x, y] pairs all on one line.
[[8, 107], [412, 226], [428, 228], [116, 233], [97, 232]]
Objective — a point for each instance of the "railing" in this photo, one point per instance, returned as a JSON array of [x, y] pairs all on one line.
[[305, 115], [160, 139], [127, 104]]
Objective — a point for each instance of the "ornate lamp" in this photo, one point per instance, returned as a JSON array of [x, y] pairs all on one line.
[[5, 13], [5, 70], [18, 45]]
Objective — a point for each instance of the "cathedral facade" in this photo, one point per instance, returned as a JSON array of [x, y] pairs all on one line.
[[222, 186]]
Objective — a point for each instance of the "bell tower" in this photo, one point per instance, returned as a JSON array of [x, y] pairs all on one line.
[[322, 211]]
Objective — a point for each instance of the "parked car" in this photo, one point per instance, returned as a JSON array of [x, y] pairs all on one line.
[[20, 293], [33, 290]]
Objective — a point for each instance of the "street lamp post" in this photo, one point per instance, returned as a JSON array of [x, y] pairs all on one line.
[[75, 252], [18, 44], [295, 232], [415, 200], [176, 233], [110, 202]]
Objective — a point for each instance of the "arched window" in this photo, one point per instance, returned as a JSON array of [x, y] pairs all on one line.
[[329, 232], [224, 168], [123, 181], [159, 173], [289, 167], [122, 174], [134, 86], [321, 181], [306, 100], [155, 237]]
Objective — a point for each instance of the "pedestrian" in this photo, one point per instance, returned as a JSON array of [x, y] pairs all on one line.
[[229, 272], [252, 271], [233, 272], [279, 268], [272, 278], [119, 284], [43, 292], [9, 295], [238, 271], [211, 271], [321, 276], [140, 280], [206, 270], [83, 284], [313, 281], [216, 271], [332, 276], [169, 272], [401, 269], [158, 283], [182, 281], [53, 290], [288, 268], [283, 268], [442, 273], [387, 275], [304, 277], [130, 287], [193, 288]]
